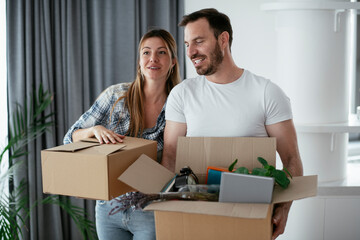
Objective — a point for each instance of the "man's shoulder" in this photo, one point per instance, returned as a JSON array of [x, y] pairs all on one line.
[[185, 88], [254, 77], [190, 82]]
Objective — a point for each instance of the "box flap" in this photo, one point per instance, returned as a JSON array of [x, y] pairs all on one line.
[[299, 187], [240, 210], [73, 147], [107, 149], [146, 175], [201, 152], [133, 142], [94, 140]]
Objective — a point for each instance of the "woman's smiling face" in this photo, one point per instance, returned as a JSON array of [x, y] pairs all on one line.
[[155, 59]]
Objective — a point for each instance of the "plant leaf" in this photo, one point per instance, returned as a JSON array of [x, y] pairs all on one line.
[[281, 178], [242, 170], [231, 167], [260, 172], [263, 161], [77, 214], [270, 170], [11, 219]]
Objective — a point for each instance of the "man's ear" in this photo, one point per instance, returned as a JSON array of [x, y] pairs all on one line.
[[224, 39]]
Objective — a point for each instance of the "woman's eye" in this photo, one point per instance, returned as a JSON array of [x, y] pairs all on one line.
[[146, 53], [162, 52]]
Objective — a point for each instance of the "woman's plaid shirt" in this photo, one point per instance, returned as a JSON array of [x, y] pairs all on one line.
[[99, 114]]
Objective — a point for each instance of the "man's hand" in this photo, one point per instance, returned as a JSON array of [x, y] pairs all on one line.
[[279, 218]]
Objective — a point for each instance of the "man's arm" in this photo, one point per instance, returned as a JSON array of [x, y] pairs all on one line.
[[287, 147], [171, 133]]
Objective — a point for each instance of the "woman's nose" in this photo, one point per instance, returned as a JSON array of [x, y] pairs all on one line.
[[154, 58]]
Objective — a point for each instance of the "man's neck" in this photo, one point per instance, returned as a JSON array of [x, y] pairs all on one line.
[[224, 77], [227, 72]]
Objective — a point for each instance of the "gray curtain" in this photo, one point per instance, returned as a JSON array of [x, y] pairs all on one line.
[[75, 48]]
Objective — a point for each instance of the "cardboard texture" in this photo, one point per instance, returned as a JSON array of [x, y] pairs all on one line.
[[153, 177], [87, 169], [201, 152], [181, 226], [215, 220]]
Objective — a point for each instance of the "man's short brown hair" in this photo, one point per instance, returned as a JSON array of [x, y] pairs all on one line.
[[218, 21]]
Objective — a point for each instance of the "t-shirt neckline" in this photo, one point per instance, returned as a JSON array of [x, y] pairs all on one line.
[[226, 84]]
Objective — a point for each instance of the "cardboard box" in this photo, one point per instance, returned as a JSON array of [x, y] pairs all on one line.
[[215, 220], [88, 169]]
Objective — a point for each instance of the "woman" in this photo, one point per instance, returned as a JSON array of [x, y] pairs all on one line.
[[132, 109]]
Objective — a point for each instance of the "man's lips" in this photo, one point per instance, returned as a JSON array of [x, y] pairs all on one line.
[[197, 61]]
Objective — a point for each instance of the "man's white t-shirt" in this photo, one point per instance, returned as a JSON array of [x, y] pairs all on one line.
[[238, 109]]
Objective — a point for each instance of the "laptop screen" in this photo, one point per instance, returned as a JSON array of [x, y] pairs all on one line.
[[244, 188]]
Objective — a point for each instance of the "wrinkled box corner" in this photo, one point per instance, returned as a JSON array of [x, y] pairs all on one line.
[[89, 170], [215, 220]]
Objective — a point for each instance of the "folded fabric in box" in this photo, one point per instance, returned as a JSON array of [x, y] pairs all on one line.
[[213, 174]]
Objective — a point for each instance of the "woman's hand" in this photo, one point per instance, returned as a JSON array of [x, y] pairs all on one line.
[[105, 135]]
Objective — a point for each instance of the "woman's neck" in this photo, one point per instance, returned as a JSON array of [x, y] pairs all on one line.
[[154, 92], [155, 97]]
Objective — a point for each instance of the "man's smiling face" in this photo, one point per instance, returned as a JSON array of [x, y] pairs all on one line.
[[202, 47]]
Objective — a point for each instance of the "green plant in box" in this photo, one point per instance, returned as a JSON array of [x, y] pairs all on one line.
[[267, 171]]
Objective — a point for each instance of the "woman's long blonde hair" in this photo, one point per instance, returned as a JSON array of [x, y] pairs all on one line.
[[134, 97]]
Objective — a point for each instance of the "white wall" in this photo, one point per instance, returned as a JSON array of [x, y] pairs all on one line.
[[254, 36]]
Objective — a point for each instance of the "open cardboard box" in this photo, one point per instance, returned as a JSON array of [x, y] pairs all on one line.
[[88, 169], [214, 220]]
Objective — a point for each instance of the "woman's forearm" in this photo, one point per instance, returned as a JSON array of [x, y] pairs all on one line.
[[83, 133]]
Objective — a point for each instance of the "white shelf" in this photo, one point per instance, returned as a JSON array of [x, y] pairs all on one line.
[[277, 6], [348, 187], [352, 126]]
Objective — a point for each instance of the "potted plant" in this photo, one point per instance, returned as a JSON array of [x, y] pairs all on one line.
[[30, 122]]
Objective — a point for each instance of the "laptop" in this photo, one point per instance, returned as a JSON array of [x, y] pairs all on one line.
[[244, 188]]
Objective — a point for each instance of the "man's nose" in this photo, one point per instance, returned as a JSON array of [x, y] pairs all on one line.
[[191, 50]]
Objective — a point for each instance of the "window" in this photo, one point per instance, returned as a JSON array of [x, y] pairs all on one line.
[[354, 143], [3, 84]]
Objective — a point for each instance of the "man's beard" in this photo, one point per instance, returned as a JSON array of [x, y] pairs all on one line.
[[216, 58]]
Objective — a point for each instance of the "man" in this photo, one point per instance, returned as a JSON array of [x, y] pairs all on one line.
[[227, 101]]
